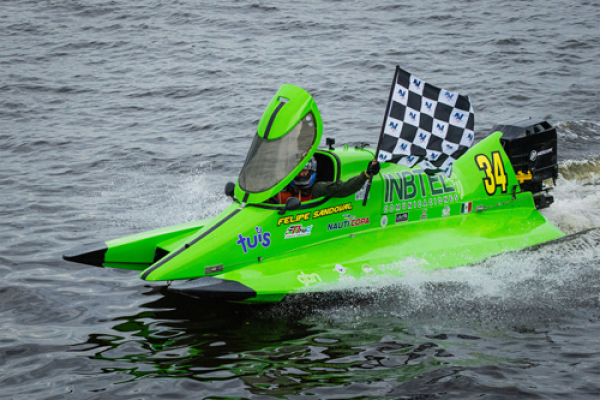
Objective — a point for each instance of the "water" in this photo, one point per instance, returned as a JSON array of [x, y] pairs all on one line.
[[119, 117]]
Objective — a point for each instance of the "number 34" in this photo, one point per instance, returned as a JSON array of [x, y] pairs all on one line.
[[494, 172]]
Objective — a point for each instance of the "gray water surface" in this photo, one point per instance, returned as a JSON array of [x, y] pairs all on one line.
[[118, 117]]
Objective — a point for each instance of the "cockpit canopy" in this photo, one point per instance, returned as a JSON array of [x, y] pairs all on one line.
[[270, 161], [288, 134]]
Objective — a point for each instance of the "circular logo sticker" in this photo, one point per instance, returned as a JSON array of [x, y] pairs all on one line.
[[533, 155], [384, 220], [367, 269]]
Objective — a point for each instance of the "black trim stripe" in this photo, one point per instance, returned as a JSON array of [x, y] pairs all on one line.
[[187, 245], [221, 290], [268, 129], [304, 206], [338, 174]]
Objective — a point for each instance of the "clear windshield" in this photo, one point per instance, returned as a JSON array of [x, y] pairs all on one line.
[[270, 161]]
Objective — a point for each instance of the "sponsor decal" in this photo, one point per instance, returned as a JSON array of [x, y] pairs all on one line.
[[424, 214], [360, 195], [466, 208], [422, 136], [350, 221], [451, 147], [294, 231], [251, 242], [535, 154], [402, 217], [384, 221], [293, 219], [417, 82], [446, 211], [414, 205], [440, 128], [411, 190], [309, 279], [470, 138], [367, 269], [332, 210], [384, 157], [522, 177], [403, 264], [448, 170], [495, 175], [459, 116], [340, 268], [390, 266]]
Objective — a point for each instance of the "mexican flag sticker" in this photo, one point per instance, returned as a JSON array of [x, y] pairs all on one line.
[[466, 207]]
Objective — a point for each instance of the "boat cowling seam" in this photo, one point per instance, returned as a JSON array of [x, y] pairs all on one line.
[[188, 245]]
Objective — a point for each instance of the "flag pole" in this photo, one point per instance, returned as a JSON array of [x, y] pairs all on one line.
[[387, 112]]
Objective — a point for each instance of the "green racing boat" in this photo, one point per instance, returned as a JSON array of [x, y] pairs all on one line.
[[259, 252]]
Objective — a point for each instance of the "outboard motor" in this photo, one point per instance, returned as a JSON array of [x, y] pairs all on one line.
[[531, 148]]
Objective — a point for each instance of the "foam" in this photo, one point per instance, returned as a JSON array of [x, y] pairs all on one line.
[[576, 197]]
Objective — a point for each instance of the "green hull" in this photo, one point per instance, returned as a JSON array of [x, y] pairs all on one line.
[[411, 220]]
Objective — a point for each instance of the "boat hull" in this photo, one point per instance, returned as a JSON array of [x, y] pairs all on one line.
[[413, 220], [379, 254]]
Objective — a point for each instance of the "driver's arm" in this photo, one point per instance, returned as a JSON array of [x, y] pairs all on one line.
[[345, 189], [339, 188]]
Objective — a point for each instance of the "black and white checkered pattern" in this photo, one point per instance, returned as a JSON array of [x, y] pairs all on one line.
[[425, 125]]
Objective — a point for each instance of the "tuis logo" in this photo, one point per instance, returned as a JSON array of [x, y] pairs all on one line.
[[402, 93], [250, 243], [458, 117], [394, 126], [417, 83], [449, 96], [440, 128], [429, 105]]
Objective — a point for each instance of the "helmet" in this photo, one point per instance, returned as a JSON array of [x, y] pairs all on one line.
[[306, 178]]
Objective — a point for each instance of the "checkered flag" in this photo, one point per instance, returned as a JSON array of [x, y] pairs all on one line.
[[425, 125]]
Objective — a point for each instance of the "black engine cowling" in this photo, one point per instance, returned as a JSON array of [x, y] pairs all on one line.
[[531, 147]]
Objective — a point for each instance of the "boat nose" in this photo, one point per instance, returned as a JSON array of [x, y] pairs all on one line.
[[91, 254]]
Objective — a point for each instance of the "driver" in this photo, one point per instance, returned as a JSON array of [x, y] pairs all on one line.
[[303, 186]]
